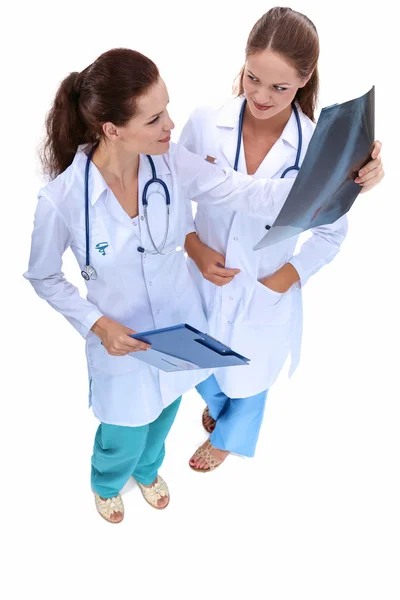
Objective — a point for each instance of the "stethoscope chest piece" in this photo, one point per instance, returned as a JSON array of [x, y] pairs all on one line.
[[88, 272]]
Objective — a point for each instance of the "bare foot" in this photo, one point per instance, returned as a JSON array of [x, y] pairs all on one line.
[[161, 502], [115, 517], [208, 422], [201, 463]]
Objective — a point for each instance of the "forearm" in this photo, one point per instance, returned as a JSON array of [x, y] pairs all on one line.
[[193, 245], [283, 279]]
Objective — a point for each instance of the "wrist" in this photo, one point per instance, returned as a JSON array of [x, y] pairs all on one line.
[[100, 326], [192, 244]]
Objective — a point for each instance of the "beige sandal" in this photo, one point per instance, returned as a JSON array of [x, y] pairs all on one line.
[[206, 413], [109, 506], [205, 452], [157, 491]]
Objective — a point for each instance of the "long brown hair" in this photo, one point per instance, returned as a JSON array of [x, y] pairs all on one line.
[[294, 37], [107, 90]]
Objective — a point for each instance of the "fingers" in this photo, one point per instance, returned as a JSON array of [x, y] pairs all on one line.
[[365, 173], [376, 149], [220, 271], [124, 344], [226, 272], [376, 174], [219, 281]]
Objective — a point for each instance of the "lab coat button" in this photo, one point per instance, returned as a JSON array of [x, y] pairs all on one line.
[[230, 297], [150, 283], [229, 322], [236, 239]]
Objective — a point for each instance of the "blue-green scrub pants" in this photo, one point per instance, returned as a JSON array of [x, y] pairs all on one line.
[[122, 452]]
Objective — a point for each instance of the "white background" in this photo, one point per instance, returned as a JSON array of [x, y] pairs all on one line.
[[316, 514]]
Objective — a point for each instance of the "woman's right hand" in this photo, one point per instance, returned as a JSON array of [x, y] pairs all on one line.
[[116, 337], [210, 263]]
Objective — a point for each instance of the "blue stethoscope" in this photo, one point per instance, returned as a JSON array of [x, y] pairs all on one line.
[[89, 272], [296, 166]]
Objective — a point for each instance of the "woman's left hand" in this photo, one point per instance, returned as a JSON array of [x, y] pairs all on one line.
[[282, 280], [372, 173]]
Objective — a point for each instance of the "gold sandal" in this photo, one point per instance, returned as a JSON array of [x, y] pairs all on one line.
[[109, 506], [206, 413], [155, 492], [204, 452]]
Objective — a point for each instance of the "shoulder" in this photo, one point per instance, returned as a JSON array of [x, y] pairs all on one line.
[[63, 191], [225, 115], [307, 125]]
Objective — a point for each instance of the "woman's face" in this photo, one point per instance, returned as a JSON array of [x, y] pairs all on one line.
[[149, 131], [270, 84]]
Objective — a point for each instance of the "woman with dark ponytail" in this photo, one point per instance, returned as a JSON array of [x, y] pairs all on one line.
[[111, 123], [255, 305]]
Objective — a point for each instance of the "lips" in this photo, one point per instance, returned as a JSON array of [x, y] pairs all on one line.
[[262, 107], [165, 140]]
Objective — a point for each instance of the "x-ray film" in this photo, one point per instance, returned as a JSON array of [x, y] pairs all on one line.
[[324, 189]]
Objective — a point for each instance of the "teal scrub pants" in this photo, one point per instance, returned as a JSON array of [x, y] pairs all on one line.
[[122, 452]]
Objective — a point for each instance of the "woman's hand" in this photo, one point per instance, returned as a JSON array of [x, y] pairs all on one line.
[[282, 280], [116, 337], [372, 173], [210, 263]]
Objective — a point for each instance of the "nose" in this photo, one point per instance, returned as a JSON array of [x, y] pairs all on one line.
[[169, 124], [263, 100]]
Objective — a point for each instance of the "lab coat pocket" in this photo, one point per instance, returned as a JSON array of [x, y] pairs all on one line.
[[101, 249], [267, 306]]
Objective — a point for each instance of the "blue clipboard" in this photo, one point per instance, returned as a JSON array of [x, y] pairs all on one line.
[[184, 348]]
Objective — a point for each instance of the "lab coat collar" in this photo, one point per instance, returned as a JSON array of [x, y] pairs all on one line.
[[228, 117], [97, 185]]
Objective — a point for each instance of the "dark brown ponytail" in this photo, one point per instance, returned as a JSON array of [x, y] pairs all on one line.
[[105, 91]]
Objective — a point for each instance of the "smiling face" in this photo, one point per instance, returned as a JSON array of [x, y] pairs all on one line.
[[270, 84], [149, 131]]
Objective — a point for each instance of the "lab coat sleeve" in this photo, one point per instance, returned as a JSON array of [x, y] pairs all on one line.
[[320, 248], [187, 139], [188, 136], [210, 185], [50, 239], [190, 226]]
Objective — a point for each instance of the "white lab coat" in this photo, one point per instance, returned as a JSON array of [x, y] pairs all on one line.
[[140, 290], [254, 320]]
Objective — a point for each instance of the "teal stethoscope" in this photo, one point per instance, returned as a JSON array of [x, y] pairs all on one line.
[[296, 166], [89, 272]]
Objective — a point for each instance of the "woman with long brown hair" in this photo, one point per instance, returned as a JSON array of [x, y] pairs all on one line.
[[108, 136], [255, 304]]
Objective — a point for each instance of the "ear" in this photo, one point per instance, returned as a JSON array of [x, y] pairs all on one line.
[[110, 131], [306, 80]]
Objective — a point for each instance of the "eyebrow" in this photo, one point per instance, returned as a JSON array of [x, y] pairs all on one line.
[[252, 74], [153, 116], [158, 114]]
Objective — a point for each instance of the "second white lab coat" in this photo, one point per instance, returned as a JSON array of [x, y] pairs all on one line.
[[259, 323]]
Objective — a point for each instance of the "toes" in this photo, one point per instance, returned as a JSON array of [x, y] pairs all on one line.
[[193, 461], [203, 464], [162, 502], [116, 517]]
